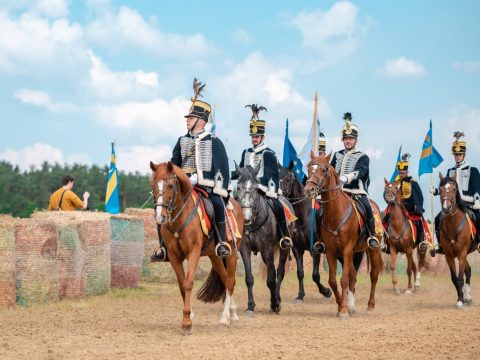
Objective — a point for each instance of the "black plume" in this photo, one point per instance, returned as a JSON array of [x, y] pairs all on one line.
[[458, 134], [406, 157], [256, 110], [347, 116], [198, 88]]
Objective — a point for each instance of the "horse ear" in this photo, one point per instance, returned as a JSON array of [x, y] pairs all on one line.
[[329, 156], [290, 166], [153, 166], [440, 176], [454, 175], [386, 182], [312, 155], [237, 168], [170, 166]]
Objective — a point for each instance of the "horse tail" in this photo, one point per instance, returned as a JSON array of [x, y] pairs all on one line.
[[213, 289], [380, 262]]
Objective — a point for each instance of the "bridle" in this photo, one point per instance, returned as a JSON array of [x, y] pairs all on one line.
[[453, 201], [291, 182], [318, 186], [255, 200], [389, 191]]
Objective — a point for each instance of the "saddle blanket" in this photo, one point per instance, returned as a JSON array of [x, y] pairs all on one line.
[[379, 230], [232, 226], [413, 218], [288, 210]]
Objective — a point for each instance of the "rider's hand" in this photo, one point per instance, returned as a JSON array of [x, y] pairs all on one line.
[[343, 179], [194, 179], [86, 195], [433, 190]]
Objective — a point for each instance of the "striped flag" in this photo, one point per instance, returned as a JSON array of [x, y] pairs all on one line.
[[395, 172], [112, 199], [430, 157]]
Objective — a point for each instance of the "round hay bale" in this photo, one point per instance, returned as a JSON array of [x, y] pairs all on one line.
[[7, 261], [127, 250], [35, 255]]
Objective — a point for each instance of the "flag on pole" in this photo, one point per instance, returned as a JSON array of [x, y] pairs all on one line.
[[112, 199], [213, 129], [395, 172], [290, 157], [430, 157], [304, 155]]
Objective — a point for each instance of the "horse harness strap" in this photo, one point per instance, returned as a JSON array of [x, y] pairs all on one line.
[[177, 233], [344, 220], [404, 228]]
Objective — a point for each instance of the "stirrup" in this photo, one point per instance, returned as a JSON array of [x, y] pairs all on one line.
[[373, 242], [288, 245], [385, 249], [160, 255], [318, 248], [219, 246], [478, 247], [423, 246]]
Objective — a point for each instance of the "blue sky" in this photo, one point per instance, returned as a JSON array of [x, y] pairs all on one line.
[[75, 75]]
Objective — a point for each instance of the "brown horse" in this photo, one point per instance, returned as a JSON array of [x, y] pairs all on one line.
[[400, 237], [176, 210], [455, 237], [341, 233]]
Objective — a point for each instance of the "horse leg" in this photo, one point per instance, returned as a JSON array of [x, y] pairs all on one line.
[[352, 281], [467, 291], [180, 273], [344, 282], [410, 266], [462, 259], [376, 267], [272, 283], [193, 257], [326, 292], [393, 261], [228, 281], [247, 262], [453, 275], [421, 265], [332, 278], [298, 254], [281, 272]]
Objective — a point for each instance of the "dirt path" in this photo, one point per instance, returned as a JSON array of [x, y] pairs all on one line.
[[145, 323]]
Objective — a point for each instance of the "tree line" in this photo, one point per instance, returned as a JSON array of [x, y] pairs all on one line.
[[22, 192]]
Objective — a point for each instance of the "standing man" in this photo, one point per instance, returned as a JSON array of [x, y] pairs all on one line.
[[412, 199], [268, 174], [468, 181], [352, 166], [203, 157], [65, 199]]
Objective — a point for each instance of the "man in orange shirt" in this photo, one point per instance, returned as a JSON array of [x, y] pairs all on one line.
[[65, 199]]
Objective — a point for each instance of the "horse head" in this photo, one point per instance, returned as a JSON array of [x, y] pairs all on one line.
[[449, 194], [169, 185], [392, 192], [321, 176], [247, 190], [287, 180]]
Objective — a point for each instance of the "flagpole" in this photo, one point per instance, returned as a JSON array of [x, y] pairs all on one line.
[[315, 152], [432, 222]]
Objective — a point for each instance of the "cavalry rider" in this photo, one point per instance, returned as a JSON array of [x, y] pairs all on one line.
[[322, 143], [352, 166], [268, 173], [468, 181], [412, 198], [203, 158]]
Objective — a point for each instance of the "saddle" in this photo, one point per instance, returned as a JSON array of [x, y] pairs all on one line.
[[362, 216]]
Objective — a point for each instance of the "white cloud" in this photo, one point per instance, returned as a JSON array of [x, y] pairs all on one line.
[[35, 155], [331, 34], [374, 153], [467, 66], [402, 67], [127, 29], [42, 99], [51, 8], [107, 84], [138, 157], [242, 36]]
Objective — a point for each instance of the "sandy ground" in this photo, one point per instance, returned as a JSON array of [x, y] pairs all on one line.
[[145, 323]]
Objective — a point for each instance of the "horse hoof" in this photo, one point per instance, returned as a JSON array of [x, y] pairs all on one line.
[[225, 321], [327, 294], [409, 292], [370, 311], [298, 301], [187, 330], [343, 316], [352, 310], [396, 291], [234, 317], [460, 305], [275, 310], [250, 313]]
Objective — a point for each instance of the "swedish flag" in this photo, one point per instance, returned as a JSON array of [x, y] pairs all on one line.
[[395, 172], [430, 157], [112, 200]]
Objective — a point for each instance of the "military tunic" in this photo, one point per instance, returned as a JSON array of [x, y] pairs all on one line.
[[354, 164], [468, 180], [412, 197]]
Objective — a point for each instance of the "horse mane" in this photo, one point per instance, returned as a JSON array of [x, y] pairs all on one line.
[[162, 172], [461, 204]]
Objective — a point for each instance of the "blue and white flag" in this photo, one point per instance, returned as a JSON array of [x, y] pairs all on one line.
[[430, 157], [304, 155], [112, 198], [290, 157], [395, 172]]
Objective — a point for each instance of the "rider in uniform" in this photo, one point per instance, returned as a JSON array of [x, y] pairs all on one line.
[[268, 175], [352, 166], [412, 198], [203, 157], [468, 181]]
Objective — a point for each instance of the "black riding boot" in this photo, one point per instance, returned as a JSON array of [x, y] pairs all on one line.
[[222, 249], [438, 249], [160, 255], [372, 240], [420, 240]]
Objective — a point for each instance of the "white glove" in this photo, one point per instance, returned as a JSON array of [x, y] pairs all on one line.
[[194, 179], [433, 190], [343, 179]]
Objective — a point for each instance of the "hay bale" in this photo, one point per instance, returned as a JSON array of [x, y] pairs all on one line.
[[89, 246], [7, 261], [35, 257], [127, 250]]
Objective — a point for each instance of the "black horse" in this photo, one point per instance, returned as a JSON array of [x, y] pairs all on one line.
[[293, 190], [261, 234]]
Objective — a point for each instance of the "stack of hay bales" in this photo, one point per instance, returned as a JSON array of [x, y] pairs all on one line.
[[83, 251], [7, 261], [35, 253], [127, 250]]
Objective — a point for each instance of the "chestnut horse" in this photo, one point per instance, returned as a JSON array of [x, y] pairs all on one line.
[[293, 190], [455, 237], [341, 233], [400, 237], [176, 210]]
